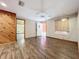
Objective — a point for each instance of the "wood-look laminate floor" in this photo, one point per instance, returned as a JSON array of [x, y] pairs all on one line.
[[39, 48]]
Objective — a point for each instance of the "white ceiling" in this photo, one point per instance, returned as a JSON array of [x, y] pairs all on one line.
[[31, 8]]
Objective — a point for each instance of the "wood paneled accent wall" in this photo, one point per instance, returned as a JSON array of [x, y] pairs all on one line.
[[7, 27]]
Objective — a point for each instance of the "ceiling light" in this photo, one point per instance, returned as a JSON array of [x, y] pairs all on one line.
[[3, 4], [64, 19]]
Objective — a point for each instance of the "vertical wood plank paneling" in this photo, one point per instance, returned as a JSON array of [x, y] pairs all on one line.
[[7, 27]]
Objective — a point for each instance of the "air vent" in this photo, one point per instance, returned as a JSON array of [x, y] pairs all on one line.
[[21, 3]]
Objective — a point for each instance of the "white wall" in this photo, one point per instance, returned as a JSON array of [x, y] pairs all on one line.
[[71, 36], [30, 29]]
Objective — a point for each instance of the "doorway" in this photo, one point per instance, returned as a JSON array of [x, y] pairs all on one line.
[[20, 31], [41, 28]]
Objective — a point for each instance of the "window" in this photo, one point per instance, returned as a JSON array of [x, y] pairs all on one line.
[[62, 25]]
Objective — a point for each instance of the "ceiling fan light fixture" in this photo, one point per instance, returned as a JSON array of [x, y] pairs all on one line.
[[42, 16]]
